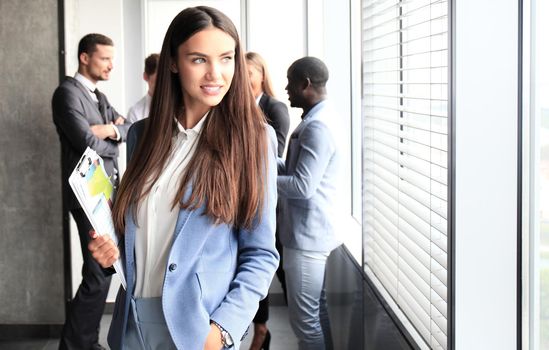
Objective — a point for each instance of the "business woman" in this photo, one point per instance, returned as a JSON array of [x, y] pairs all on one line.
[[277, 116], [275, 111], [196, 206]]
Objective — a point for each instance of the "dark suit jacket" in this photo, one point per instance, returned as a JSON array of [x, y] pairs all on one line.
[[74, 112], [277, 117]]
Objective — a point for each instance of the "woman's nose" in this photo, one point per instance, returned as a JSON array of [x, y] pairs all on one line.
[[214, 71]]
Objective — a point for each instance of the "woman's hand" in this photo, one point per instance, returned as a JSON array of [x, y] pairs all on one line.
[[213, 341], [103, 249]]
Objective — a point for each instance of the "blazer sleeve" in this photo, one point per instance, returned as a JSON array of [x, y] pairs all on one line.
[[280, 120], [314, 152], [281, 165], [134, 134], [257, 262], [123, 130], [68, 116]]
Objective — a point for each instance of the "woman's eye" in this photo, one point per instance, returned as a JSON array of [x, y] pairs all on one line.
[[199, 60], [227, 59]]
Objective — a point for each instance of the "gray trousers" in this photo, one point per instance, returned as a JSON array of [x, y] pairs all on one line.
[[147, 329], [306, 298]]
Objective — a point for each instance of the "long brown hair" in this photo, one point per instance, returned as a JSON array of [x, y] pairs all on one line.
[[259, 63], [227, 171]]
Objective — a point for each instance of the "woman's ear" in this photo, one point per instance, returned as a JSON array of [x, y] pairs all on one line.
[[173, 67]]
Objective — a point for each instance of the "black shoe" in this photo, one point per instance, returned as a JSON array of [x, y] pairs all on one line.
[[267, 341], [98, 346]]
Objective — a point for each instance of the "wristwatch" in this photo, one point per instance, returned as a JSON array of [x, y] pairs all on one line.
[[225, 336]]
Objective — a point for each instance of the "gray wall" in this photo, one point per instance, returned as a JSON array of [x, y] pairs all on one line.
[[31, 247]]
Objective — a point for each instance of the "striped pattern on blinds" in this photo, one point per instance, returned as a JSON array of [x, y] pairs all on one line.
[[405, 150]]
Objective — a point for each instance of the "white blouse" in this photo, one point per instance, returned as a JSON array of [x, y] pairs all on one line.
[[156, 219], [139, 110]]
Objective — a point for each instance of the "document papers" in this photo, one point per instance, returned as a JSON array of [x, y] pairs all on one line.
[[95, 192]]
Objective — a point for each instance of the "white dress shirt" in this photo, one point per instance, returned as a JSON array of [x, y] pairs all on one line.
[[88, 84], [139, 110], [156, 219]]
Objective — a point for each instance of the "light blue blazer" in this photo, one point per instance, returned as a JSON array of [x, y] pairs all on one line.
[[214, 272], [307, 184]]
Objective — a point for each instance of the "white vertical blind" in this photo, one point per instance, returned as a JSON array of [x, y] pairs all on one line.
[[405, 147]]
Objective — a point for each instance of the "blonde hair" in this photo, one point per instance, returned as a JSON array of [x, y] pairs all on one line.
[[258, 62]]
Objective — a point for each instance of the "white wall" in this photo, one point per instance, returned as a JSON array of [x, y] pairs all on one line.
[[279, 42], [104, 17], [486, 174]]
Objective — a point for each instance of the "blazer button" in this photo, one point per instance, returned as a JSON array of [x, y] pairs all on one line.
[[172, 267]]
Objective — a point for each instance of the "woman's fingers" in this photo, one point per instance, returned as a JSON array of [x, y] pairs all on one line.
[[99, 242], [103, 249], [109, 257]]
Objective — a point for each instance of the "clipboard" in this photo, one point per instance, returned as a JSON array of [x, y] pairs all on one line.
[[95, 193]]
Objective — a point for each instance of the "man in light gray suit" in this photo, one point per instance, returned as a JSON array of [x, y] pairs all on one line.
[[307, 188], [84, 117]]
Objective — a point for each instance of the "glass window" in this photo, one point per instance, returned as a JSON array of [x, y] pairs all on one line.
[[537, 142], [405, 150]]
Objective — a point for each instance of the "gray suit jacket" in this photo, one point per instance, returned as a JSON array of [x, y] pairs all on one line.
[[74, 112], [307, 185]]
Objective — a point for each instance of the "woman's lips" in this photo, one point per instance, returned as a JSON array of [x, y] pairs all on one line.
[[211, 90]]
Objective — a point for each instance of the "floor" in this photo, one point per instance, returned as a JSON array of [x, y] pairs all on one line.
[[282, 336]]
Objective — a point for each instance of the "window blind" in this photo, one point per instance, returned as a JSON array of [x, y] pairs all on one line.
[[405, 157]]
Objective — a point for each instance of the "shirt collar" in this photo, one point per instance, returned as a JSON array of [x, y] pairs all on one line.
[[85, 81], [315, 108], [258, 99], [196, 129]]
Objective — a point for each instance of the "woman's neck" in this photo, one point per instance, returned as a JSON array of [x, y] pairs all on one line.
[[258, 93], [191, 116]]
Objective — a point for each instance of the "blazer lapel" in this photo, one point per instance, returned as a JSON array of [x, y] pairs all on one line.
[[263, 102], [184, 214], [295, 138], [129, 245], [84, 90]]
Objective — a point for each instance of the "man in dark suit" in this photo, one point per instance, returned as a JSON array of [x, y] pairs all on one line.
[[84, 117]]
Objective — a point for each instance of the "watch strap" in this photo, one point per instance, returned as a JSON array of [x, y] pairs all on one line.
[[226, 338]]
